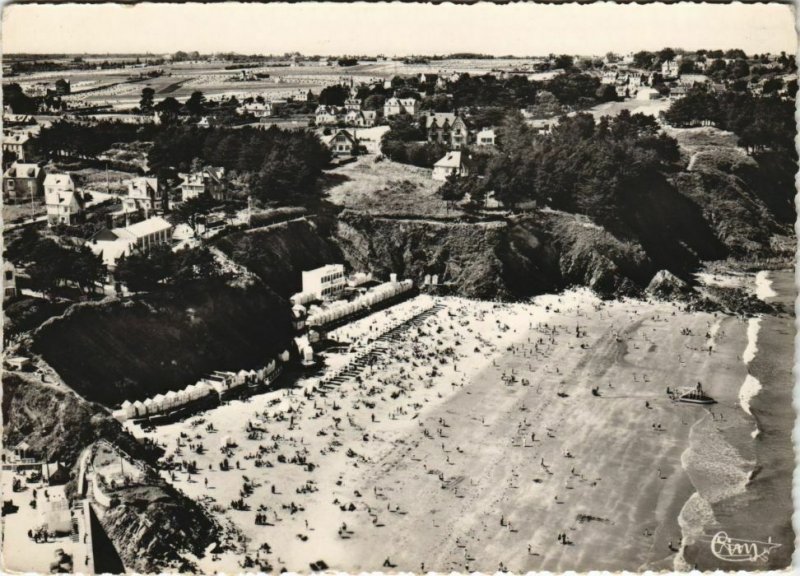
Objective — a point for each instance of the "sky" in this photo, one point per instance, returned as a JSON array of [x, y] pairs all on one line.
[[395, 29]]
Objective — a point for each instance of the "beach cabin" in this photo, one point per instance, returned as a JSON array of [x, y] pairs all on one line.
[[139, 409], [23, 452]]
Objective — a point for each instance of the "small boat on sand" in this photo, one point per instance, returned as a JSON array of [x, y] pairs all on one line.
[[695, 396]]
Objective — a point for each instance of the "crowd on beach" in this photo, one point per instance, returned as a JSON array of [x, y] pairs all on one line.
[[323, 444]]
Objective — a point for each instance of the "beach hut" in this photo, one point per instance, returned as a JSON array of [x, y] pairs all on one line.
[[139, 408], [170, 398], [148, 406], [119, 415], [127, 409], [181, 398], [158, 402]]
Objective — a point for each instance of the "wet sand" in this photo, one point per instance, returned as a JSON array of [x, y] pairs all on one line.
[[755, 451], [477, 440]]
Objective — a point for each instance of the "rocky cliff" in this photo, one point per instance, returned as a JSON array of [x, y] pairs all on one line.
[[135, 348]]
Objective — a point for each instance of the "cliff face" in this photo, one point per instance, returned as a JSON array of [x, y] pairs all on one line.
[[277, 254], [146, 345], [152, 526], [465, 256], [56, 424]]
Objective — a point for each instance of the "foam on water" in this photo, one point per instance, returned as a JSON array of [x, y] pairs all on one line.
[[750, 388], [764, 286], [753, 325]]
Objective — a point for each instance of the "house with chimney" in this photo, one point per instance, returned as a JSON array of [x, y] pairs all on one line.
[[361, 118], [328, 115], [452, 164], [447, 128], [23, 182], [21, 144], [63, 203], [148, 194], [342, 143], [395, 106], [209, 180]]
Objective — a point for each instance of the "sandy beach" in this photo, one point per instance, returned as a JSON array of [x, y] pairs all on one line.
[[484, 436]]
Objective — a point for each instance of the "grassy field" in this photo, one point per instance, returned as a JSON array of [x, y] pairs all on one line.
[[387, 187]]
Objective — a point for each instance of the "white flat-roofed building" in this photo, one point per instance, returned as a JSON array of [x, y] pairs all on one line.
[[116, 242], [326, 281]]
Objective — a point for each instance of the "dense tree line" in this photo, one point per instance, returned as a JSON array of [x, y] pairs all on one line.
[[278, 164], [760, 123], [582, 166], [51, 265], [88, 140], [160, 266]]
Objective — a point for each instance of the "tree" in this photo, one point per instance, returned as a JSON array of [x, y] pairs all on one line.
[[146, 271], [86, 269], [644, 59], [374, 102], [168, 109], [564, 62], [146, 102], [333, 95], [665, 55], [195, 105]]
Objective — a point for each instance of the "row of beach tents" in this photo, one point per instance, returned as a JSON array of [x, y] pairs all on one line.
[[217, 383], [341, 309]]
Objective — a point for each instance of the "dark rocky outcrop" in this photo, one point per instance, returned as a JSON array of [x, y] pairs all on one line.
[[139, 347]]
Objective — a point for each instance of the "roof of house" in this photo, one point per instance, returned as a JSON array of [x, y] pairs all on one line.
[[142, 183], [343, 132], [16, 139], [440, 118], [143, 228], [19, 170], [450, 160], [61, 180]]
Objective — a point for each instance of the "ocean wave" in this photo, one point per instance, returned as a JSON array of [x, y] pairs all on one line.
[[764, 286], [748, 390], [753, 326], [695, 515]]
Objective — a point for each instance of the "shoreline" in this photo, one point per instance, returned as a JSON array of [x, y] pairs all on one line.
[[744, 456], [481, 434]]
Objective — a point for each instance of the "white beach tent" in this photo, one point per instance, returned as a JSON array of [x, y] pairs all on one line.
[[158, 402], [148, 406], [170, 398], [127, 409], [139, 408], [181, 397]]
